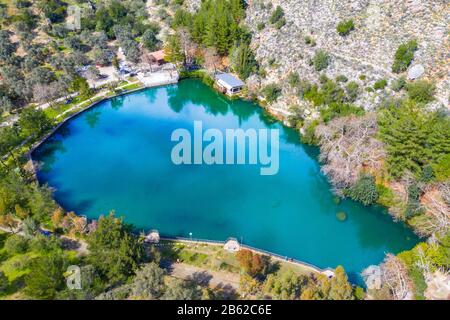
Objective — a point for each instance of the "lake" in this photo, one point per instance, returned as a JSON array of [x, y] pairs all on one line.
[[117, 156]]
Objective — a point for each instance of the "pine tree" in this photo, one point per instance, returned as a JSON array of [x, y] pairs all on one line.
[[404, 131], [243, 60], [340, 288], [173, 50]]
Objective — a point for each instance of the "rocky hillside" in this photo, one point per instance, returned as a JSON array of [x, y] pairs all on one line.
[[365, 55]]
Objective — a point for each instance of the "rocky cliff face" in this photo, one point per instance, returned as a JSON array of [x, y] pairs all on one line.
[[367, 52]]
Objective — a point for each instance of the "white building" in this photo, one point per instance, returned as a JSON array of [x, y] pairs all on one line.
[[229, 84]]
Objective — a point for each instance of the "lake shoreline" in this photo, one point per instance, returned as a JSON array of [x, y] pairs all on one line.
[[264, 111]]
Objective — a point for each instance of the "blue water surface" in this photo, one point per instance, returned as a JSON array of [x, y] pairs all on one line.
[[117, 156]]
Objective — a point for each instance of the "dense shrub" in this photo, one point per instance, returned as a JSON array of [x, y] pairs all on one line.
[[321, 60], [310, 41], [364, 190], [404, 56], [277, 16], [427, 174], [352, 90], [341, 78], [421, 91], [16, 244], [345, 27], [285, 285], [337, 109], [399, 84], [46, 276], [4, 283], [271, 92], [293, 79], [309, 136], [280, 24], [303, 87], [380, 84], [413, 206], [148, 282], [441, 168]]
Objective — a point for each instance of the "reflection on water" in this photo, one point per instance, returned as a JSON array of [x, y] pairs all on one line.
[[117, 102], [116, 156], [92, 117]]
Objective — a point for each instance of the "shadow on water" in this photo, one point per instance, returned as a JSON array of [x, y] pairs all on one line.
[[117, 102], [48, 153], [92, 117], [67, 199], [150, 95], [203, 95]]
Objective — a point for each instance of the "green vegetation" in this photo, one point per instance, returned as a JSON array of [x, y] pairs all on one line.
[[364, 190], [277, 18], [114, 251], [285, 286], [37, 269], [243, 60], [271, 92], [199, 74], [421, 91], [353, 91], [309, 137], [338, 288], [43, 73], [435, 256], [149, 282], [341, 216], [335, 110], [321, 60], [293, 79], [45, 277], [310, 41], [404, 56], [399, 84], [333, 99], [215, 24], [380, 84], [414, 138], [345, 27]]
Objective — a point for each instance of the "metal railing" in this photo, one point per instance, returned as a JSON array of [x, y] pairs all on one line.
[[245, 246]]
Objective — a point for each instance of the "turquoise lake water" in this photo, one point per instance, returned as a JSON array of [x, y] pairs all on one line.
[[117, 156]]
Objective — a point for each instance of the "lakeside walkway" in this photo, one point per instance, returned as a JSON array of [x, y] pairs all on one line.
[[307, 266]]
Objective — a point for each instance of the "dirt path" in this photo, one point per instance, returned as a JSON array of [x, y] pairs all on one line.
[[213, 279]]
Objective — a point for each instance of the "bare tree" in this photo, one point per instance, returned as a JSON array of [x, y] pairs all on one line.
[[437, 208], [212, 59], [92, 73], [395, 276], [146, 60], [347, 146], [188, 45], [46, 93]]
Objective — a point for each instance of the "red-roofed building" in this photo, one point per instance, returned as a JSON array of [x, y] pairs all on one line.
[[158, 57]]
